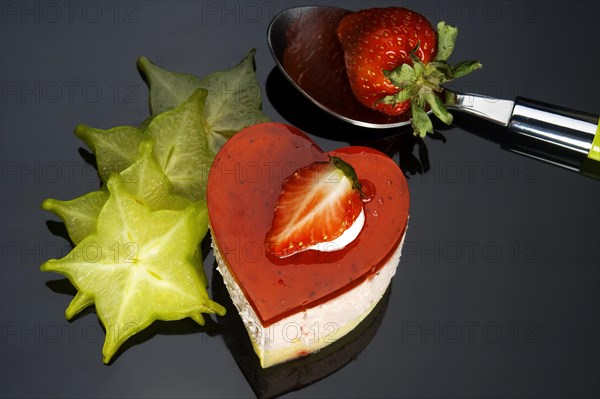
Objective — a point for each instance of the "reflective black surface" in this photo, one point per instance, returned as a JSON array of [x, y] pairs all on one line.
[[497, 293]]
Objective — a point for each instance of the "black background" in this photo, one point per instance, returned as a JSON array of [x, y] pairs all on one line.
[[497, 293]]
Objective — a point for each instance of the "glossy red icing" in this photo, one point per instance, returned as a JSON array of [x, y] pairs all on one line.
[[243, 187]]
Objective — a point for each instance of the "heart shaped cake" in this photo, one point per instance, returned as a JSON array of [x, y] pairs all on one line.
[[302, 258]]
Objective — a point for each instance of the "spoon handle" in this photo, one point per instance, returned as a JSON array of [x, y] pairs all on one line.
[[547, 132], [570, 129], [569, 138]]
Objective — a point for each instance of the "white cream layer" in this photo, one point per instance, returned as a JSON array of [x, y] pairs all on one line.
[[346, 238], [313, 328]]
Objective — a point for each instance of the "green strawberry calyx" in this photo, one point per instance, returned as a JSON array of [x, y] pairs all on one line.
[[421, 83], [348, 171]]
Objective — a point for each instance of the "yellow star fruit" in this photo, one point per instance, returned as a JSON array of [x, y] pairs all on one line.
[[137, 267], [137, 254]]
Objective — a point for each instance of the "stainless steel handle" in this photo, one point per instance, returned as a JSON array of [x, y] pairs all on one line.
[[568, 129], [490, 109], [546, 132], [554, 134]]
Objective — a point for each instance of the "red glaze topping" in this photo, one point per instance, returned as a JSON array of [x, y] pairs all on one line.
[[243, 187]]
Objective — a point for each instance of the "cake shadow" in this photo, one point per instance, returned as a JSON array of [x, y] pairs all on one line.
[[298, 373]]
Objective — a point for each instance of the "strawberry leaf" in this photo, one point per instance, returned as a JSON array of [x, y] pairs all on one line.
[[401, 96], [465, 67], [438, 108], [439, 72], [419, 68], [402, 76], [446, 40], [348, 171], [420, 83], [420, 122]]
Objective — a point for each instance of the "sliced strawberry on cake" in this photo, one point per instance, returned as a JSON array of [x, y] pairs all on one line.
[[320, 207]]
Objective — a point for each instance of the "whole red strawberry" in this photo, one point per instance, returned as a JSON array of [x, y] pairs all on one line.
[[380, 39], [395, 60]]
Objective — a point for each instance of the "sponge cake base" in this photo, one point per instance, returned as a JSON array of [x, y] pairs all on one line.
[[312, 328]]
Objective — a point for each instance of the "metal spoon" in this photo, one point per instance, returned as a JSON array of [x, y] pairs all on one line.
[[304, 44]]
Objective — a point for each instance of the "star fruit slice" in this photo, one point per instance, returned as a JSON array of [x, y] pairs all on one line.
[[138, 266], [181, 146], [234, 99], [143, 178], [115, 149], [80, 214]]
